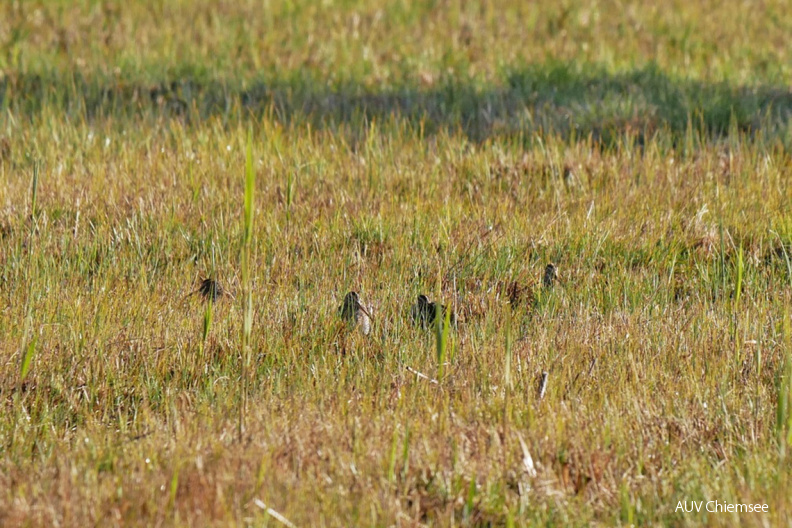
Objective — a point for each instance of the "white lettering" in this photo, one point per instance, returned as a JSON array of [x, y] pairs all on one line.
[[715, 506], [693, 506]]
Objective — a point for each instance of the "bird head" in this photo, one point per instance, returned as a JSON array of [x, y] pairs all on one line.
[[351, 298], [352, 302]]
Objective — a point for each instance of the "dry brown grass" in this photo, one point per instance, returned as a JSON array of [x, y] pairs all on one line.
[[398, 150]]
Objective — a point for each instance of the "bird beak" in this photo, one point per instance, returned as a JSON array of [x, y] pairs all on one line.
[[360, 305]]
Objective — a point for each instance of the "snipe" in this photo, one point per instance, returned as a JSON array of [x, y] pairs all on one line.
[[550, 275], [423, 312], [211, 290], [353, 312]]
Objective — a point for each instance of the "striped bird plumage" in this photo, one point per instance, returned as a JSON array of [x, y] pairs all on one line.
[[550, 275], [353, 312], [211, 290]]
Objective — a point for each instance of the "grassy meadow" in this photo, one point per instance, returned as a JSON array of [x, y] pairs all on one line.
[[298, 150]]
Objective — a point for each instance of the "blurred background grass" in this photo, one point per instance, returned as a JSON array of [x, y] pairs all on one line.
[[500, 68]]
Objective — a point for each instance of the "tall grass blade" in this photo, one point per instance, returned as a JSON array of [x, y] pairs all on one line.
[[174, 488], [250, 184], [442, 328], [784, 406], [392, 457], [786, 257], [722, 261], [740, 273], [29, 347], [507, 381], [508, 360], [784, 385], [34, 191], [247, 329], [207, 321], [406, 452], [27, 359]]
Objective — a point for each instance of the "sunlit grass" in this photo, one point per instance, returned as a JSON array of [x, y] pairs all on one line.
[[395, 149]]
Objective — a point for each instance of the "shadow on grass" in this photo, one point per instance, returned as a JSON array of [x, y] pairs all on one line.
[[552, 98]]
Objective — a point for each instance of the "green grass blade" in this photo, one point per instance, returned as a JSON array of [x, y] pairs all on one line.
[[787, 260], [34, 190], [207, 321], [783, 423], [740, 273], [247, 328], [442, 330], [27, 359], [250, 184]]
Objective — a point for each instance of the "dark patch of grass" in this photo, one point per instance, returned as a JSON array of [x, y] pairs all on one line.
[[566, 99]]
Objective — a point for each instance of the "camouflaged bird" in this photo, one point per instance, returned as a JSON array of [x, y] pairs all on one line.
[[550, 275], [353, 312], [423, 312], [518, 293], [211, 290]]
